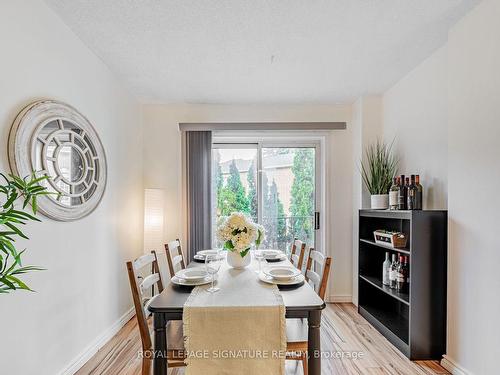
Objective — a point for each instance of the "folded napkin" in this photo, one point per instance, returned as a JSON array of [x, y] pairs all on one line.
[[241, 329]]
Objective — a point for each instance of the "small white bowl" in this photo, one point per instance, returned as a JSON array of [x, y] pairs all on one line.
[[282, 273]]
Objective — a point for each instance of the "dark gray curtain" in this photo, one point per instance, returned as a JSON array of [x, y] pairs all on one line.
[[199, 191]]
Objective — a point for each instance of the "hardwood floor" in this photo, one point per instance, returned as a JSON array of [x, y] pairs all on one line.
[[343, 331]]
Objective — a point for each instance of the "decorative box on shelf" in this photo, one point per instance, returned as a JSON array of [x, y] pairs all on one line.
[[394, 239]]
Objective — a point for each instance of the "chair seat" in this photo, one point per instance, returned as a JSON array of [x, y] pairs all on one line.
[[175, 336], [175, 344], [296, 337], [296, 330]]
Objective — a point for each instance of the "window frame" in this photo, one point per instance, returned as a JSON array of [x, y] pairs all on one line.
[[230, 140]]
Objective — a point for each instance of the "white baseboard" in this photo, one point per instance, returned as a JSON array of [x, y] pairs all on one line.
[[97, 344], [340, 298], [453, 367]]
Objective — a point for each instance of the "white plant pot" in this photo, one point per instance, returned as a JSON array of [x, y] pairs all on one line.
[[235, 260], [380, 201]]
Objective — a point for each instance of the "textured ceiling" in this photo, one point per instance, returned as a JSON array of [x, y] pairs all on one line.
[[260, 51]]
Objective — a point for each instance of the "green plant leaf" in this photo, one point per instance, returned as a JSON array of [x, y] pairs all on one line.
[[26, 269], [7, 282], [8, 248], [259, 237], [21, 284], [14, 189], [4, 177], [17, 262], [17, 230], [11, 200], [34, 205], [35, 181], [23, 215]]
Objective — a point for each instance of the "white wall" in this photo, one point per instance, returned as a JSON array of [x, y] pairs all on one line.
[[446, 117], [474, 177], [85, 288], [415, 117], [162, 161], [366, 129]]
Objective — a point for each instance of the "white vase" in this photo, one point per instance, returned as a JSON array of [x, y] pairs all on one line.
[[380, 201], [235, 260]]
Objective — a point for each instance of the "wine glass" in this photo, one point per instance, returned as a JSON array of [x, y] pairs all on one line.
[[212, 266], [259, 256]]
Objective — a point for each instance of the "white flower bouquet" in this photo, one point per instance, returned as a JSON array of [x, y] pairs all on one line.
[[238, 233]]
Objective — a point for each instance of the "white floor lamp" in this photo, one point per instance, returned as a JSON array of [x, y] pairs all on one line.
[[153, 220]]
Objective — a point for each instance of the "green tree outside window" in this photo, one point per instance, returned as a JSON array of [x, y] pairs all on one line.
[[302, 194]]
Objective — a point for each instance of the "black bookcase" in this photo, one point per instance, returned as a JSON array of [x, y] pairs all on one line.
[[414, 322]]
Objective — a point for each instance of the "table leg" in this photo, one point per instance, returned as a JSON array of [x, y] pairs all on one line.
[[314, 343], [160, 344]]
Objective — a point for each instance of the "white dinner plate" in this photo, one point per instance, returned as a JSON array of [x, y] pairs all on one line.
[[273, 254], [282, 273], [197, 273], [270, 280], [204, 253], [178, 281]]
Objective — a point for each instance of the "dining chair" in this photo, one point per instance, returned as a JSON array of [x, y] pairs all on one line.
[[297, 329], [317, 274], [297, 259], [176, 261], [139, 285]]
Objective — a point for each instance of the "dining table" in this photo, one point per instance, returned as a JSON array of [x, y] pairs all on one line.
[[300, 302]]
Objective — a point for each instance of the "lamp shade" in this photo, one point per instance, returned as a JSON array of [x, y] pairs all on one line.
[[153, 219]]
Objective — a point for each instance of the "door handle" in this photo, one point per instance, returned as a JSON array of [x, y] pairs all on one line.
[[316, 220]]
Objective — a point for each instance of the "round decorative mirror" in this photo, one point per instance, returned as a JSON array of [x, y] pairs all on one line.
[[53, 139]]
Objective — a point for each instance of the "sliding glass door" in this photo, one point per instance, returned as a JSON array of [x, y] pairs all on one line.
[[288, 195], [234, 183], [276, 184]]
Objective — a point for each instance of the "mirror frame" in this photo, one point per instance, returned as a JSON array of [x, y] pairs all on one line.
[[23, 138]]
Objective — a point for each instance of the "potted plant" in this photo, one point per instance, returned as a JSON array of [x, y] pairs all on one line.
[[238, 233], [25, 192], [378, 171]]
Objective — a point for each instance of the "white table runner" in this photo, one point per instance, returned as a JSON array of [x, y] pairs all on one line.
[[238, 330]]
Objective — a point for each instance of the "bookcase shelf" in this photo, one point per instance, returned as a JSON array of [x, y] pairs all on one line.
[[415, 322], [377, 283], [388, 247]]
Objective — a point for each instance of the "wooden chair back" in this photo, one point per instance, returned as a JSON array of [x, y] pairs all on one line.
[[175, 258], [139, 285], [297, 253], [317, 274]]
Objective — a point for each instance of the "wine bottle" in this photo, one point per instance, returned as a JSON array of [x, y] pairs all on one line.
[[392, 272], [407, 275], [420, 193], [400, 275], [412, 194], [386, 269], [402, 193], [394, 195], [407, 186]]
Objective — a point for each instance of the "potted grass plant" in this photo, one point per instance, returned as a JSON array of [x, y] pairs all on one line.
[[378, 171]]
